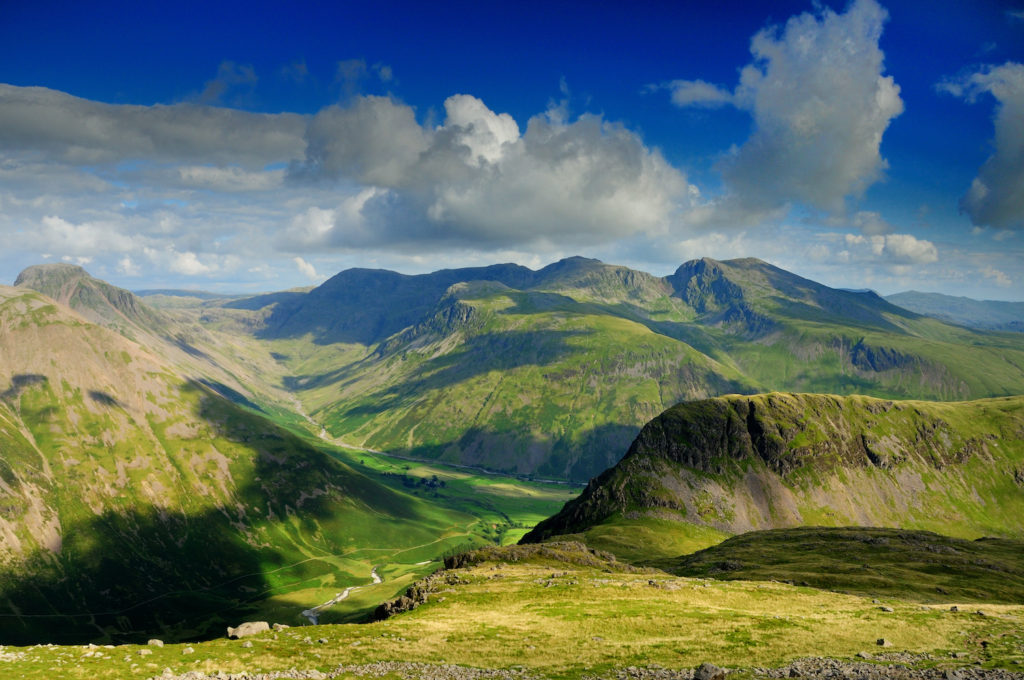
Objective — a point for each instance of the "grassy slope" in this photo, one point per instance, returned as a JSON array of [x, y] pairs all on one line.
[[736, 464], [109, 459], [561, 620], [555, 378]]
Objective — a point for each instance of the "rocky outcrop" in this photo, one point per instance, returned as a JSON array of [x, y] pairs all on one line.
[[248, 628]]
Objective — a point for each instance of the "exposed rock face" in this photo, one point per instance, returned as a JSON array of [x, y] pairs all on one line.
[[248, 628], [741, 463]]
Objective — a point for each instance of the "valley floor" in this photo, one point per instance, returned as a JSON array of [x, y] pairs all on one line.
[[527, 618]]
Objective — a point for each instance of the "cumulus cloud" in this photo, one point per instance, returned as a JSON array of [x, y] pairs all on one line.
[[820, 105], [80, 131], [996, 196], [477, 180]]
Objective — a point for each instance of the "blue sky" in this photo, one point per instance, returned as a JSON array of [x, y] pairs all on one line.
[[260, 146]]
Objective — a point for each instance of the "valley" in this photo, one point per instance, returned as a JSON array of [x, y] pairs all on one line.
[[175, 463]]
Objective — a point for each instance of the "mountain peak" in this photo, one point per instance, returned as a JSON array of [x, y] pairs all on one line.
[[50, 276], [93, 298]]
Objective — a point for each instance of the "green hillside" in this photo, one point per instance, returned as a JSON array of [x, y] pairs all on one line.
[[741, 463], [551, 372], [136, 502]]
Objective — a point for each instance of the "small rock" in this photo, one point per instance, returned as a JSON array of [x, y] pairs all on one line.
[[155, 643], [247, 644], [188, 650], [954, 608], [144, 652], [248, 628], [356, 643], [708, 671], [959, 655], [280, 626], [322, 641], [882, 642], [951, 674], [980, 613], [863, 655], [874, 601], [887, 609]]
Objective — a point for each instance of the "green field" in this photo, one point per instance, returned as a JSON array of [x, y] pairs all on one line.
[[556, 619]]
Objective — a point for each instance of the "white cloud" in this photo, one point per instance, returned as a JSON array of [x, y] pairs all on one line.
[[187, 263], [698, 93], [308, 270], [86, 239], [482, 131], [79, 131], [127, 267], [477, 181], [896, 249], [820, 105], [996, 196], [998, 277]]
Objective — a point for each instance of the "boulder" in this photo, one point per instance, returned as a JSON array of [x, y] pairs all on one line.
[[248, 628], [709, 671], [155, 643]]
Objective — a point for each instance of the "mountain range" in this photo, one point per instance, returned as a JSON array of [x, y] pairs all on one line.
[[197, 438], [551, 372], [994, 315]]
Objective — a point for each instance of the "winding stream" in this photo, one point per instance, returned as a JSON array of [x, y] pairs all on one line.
[[313, 613]]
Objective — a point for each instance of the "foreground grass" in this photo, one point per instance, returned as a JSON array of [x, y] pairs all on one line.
[[562, 621]]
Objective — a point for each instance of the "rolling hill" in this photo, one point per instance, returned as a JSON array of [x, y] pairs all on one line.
[[711, 468]]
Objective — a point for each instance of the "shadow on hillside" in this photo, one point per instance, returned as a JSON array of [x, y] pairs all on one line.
[[125, 576], [20, 382], [530, 457]]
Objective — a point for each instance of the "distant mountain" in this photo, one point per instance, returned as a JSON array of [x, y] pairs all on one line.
[[991, 315], [740, 463], [93, 298], [137, 501], [551, 372]]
